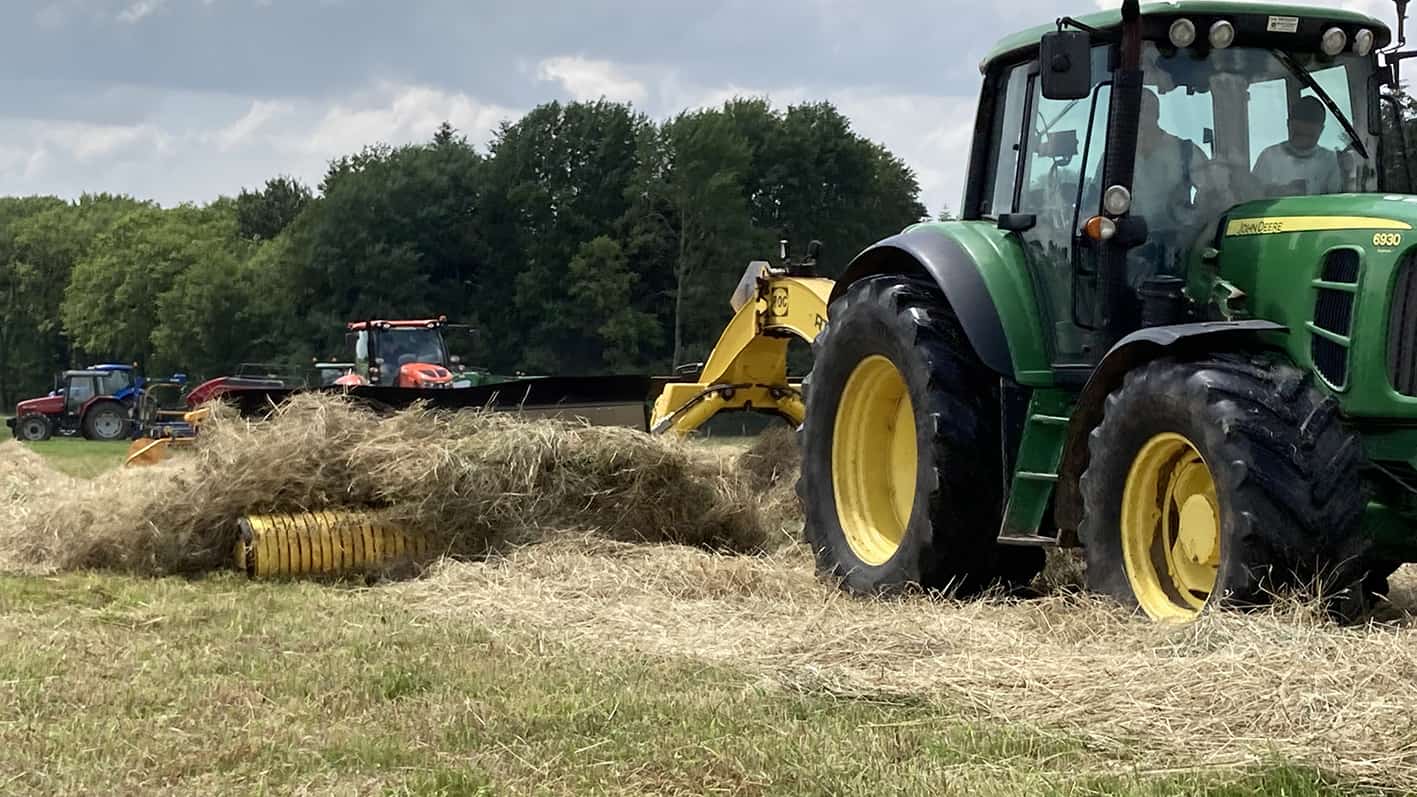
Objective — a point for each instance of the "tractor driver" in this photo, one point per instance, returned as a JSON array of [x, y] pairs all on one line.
[[1162, 188], [1298, 165]]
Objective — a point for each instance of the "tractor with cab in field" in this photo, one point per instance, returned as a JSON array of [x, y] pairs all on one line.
[[1176, 325], [95, 403]]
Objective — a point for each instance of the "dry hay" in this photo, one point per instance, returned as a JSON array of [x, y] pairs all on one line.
[[1231, 690], [771, 466], [471, 483]]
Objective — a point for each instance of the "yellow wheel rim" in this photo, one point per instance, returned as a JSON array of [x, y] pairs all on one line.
[[1170, 529], [874, 460]]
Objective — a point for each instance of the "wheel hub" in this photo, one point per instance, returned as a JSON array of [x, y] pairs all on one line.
[[874, 459], [1198, 535], [1170, 528]]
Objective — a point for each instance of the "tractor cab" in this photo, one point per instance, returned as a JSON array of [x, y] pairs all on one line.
[[1114, 150], [123, 380], [410, 354]]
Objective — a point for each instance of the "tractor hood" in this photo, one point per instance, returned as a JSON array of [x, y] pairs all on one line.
[[1345, 213], [48, 405], [1338, 272]]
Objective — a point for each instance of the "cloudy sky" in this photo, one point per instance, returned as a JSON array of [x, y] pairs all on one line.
[[186, 100]]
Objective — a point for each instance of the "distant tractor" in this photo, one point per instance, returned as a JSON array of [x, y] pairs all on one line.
[[1176, 325], [96, 403], [400, 354]]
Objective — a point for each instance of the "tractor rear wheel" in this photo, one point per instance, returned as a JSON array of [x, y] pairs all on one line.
[[901, 469], [33, 428], [1218, 483], [106, 420]]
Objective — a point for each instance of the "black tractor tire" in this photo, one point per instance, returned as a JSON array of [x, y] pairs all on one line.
[[1286, 475], [949, 541], [107, 421], [33, 428]]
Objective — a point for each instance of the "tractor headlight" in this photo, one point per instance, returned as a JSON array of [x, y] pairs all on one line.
[[1334, 41], [1222, 35], [1117, 200], [1183, 33], [1363, 43]]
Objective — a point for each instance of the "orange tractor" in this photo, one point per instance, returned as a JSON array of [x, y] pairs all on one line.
[[410, 354]]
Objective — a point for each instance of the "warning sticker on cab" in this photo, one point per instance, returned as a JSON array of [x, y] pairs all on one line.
[[1283, 24]]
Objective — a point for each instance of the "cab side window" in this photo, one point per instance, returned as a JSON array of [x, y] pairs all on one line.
[[1002, 166]]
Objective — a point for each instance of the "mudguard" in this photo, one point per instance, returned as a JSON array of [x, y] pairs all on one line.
[[946, 260], [1134, 350]]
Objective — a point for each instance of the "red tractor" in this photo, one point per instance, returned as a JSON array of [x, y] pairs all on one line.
[[400, 354], [87, 403]]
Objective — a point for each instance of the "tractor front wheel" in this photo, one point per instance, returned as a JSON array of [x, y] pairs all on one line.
[[901, 466], [106, 420], [33, 428], [1218, 483]]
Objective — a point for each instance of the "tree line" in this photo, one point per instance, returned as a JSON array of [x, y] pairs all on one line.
[[587, 239]]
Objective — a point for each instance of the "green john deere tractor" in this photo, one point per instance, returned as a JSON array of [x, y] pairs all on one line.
[[1177, 325]]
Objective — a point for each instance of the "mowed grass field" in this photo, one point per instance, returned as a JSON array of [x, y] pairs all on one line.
[[122, 685]]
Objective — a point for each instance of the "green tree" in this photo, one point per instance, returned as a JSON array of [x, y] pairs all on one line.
[[261, 215], [395, 235], [599, 314], [557, 178], [111, 307], [39, 253], [695, 200]]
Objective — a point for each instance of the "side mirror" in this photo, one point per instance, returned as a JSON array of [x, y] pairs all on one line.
[[1065, 60], [454, 359], [1017, 222]]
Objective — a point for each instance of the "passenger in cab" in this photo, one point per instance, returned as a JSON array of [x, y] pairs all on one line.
[[1163, 189], [1298, 165]]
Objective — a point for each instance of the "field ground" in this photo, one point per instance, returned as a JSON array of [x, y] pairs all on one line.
[[79, 457], [591, 667]]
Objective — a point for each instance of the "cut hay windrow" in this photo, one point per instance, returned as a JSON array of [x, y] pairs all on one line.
[[1231, 691], [469, 483]]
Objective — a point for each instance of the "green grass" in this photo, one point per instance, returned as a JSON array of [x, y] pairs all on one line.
[[112, 685], [79, 457]]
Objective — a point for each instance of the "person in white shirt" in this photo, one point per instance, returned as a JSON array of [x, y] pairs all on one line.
[[1299, 166]]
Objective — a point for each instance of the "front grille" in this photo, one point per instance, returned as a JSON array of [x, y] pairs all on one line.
[[1402, 329], [1333, 312], [1332, 361], [1341, 265]]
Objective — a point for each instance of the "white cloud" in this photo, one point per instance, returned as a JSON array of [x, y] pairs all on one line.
[[89, 142], [394, 113], [137, 10], [240, 131], [176, 155], [586, 79]]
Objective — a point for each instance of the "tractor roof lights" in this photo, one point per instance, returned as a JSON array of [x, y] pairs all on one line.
[[1183, 33], [1363, 43], [1222, 34], [1334, 41]]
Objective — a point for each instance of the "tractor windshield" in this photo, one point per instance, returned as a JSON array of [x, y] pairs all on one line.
[[403, 345], [1239, 124]]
